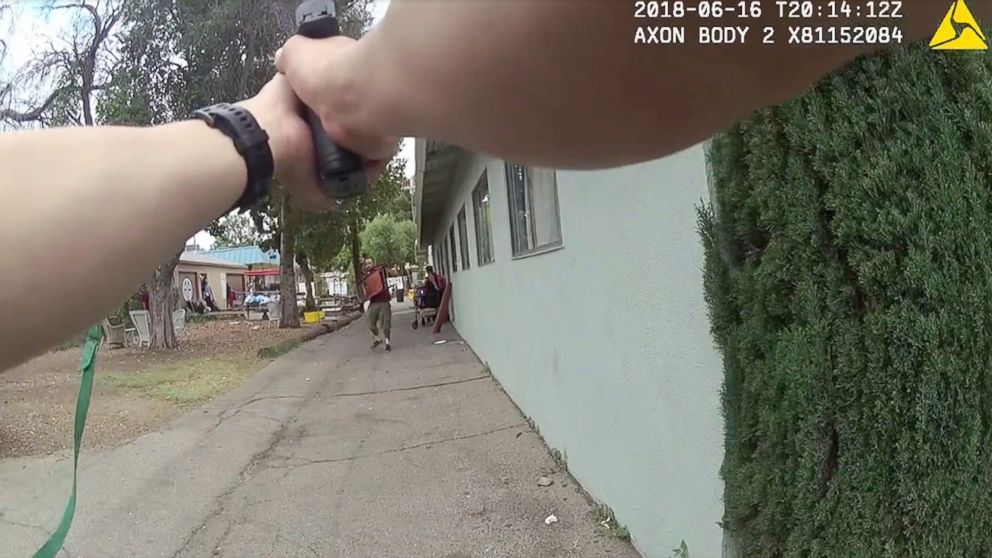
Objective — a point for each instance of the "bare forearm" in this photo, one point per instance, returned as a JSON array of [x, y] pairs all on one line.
[[561, 82], [90, 212]]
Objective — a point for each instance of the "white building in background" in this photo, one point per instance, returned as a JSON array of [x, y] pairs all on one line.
[[583, 292]]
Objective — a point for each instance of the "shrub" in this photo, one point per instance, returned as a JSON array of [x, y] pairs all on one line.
[[849, 283]]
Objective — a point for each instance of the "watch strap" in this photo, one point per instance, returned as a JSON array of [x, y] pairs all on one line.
[[251, 142]]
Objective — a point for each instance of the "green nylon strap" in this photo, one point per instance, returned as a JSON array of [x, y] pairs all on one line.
[[88, 367]]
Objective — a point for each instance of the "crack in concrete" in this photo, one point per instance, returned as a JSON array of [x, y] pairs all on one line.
[[301, 545], [220, 541], [228, 414], [428, 386], [13, 523], [251, 414], [62, 551], [306, 462], [221, 500], [233, 411]]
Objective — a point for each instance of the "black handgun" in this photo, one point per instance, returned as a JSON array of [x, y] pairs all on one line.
[[340, 171]]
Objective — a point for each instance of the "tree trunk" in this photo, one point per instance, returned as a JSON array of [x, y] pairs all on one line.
[[290, 317], [356, 248], [307, 271], [161, 305], [87, 107]]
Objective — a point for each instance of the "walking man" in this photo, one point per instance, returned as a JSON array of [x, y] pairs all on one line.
[[380, 308]]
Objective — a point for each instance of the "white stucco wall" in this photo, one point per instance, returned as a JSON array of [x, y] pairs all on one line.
[[605, 342]]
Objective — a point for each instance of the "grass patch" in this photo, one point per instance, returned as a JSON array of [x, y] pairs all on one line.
[[608, 522], [184, 383], [560, 459]]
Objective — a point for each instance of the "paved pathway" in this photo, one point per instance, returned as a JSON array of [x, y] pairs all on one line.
[[331, 451]]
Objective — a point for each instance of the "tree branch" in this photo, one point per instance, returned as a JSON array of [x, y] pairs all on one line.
[[32, 115]]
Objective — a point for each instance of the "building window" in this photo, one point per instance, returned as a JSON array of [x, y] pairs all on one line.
[[483, 222], [535, 224], [463, 238], [452, 248], [439, 261]]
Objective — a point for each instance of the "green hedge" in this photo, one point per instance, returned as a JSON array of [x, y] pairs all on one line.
[[849, 281]]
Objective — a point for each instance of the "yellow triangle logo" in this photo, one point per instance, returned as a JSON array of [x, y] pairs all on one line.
[[959, 30]]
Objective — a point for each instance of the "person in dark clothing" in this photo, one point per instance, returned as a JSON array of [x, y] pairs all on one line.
[[437, 283], [145, 298], [208, 294]]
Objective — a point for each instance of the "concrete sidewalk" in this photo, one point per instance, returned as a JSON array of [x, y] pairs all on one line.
[[331, 451]]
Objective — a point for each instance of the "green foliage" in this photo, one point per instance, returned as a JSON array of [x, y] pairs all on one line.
[[849, 281], [342, 261], [608, 522], [236, 229], [401, 206], [388, 241], [681, 551], [380, 198], [376, 201], [321, 238]]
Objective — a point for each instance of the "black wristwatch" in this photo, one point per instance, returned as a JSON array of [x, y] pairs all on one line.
[[252, 143]]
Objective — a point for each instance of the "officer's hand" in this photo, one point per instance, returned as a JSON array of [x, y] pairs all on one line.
[[322, 74]]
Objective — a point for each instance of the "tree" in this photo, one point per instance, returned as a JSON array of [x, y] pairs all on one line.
[[122, 51], [158, 60], [288, 226], [150, 87], [225, 51], [238, 39], [376, 201], [320, 239], [4, 8], [78, 64], [401, 206], [390, 242], [236, 229]]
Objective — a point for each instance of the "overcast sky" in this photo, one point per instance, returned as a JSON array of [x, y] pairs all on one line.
[[34, 29]]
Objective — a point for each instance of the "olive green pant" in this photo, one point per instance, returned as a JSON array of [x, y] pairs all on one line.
[[380, 318]]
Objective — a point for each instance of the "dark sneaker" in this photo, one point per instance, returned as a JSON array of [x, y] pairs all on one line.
[[388, 347], [376, 343]]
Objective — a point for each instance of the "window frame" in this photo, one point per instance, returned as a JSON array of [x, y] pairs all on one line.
[[453, 247], [462, 221], [483, 226], [529, 224], [441, 263]]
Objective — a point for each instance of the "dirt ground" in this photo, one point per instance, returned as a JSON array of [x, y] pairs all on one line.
[[136, 389]]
